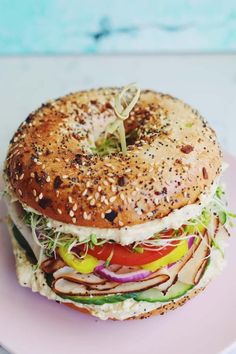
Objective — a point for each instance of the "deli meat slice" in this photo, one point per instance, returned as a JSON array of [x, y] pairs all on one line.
[[64, 286]]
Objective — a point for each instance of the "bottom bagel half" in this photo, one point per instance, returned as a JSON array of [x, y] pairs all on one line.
[[119, 305]]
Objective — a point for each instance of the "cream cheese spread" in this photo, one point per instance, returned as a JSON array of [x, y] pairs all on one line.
[[128, 234]]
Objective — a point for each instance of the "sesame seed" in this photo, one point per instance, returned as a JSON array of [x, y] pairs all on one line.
[[122, 197], [84, 192], [88, 184], [48, 179], [71, 213], [99, 188], [97, 195], [108, 211], [64, 176], [103, 198], [92, 202], [59, 211], [32, 174], [34, 193], [19, 191], [138, 211], [70, 199], [41, 196], [105, 183], [102, 215], [85, 216], [113, 188], [112, 199], [74, 220], [120, 223], [75, 207]]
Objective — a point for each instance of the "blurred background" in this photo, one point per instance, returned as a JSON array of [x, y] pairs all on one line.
[[111, 26], [183, 47]]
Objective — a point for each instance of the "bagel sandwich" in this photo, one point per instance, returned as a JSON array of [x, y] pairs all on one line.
[[115, 203]]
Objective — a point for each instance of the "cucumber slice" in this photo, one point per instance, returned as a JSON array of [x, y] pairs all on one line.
[[24, 244], [154, 295], [99, 300], [151, 295]]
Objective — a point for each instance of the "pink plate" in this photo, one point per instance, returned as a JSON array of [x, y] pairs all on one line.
[[31, 324]]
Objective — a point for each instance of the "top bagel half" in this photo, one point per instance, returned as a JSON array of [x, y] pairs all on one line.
[[172, 158]]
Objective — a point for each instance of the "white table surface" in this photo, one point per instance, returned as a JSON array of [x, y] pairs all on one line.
[[208, 82]]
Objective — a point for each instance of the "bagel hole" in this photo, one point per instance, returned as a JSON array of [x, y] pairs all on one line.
[[111, 144], [131, 137], [106, 145]]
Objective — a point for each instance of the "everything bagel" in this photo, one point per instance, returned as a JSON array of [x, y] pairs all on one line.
[[51, 165], [115, 203]]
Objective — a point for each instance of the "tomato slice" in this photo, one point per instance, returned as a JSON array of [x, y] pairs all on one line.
[[125, 255]]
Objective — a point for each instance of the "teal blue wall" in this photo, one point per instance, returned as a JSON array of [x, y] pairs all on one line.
[[116, 26]]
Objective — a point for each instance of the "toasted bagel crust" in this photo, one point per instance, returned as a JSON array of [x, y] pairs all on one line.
[[50, 165]]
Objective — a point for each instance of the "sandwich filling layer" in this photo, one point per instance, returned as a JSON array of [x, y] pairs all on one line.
[[116, 281], [35, 279]]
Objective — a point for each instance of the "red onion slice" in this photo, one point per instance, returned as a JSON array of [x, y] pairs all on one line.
[[191, 241], [171, 265], [121, 278]]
